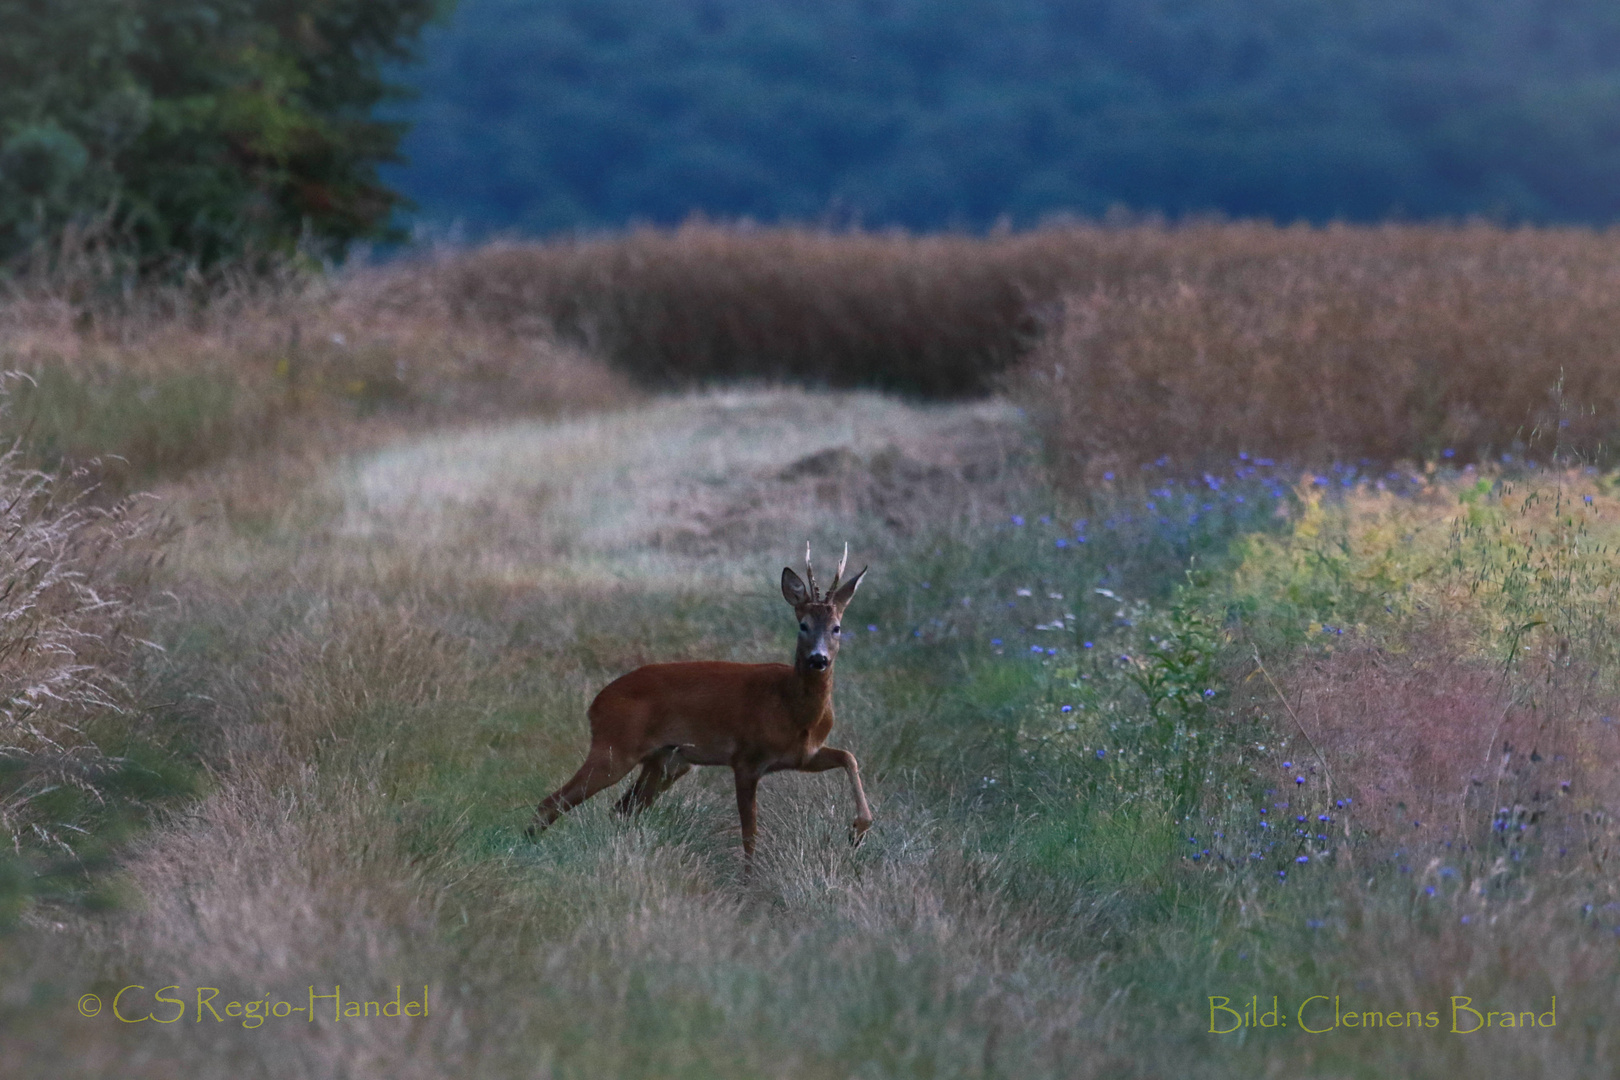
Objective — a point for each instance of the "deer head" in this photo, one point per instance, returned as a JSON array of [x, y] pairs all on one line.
[[819, 615]]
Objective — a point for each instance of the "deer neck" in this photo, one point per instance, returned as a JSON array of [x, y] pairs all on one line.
[[812, 690]]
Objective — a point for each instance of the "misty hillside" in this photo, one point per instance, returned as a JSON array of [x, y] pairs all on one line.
[[543, 115]]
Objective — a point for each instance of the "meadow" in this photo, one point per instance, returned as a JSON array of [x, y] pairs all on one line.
[[1241, 627]]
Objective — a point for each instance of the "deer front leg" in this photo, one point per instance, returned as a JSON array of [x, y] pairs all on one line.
[[829, 758], [747, 810]]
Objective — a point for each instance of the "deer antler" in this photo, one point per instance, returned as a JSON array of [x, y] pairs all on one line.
[[810, 573], [839, 576]]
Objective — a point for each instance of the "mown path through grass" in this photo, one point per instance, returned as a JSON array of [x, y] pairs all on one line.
[[386, 663]]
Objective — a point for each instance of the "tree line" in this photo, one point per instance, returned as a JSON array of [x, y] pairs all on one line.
[[546, 115], [200, 130]]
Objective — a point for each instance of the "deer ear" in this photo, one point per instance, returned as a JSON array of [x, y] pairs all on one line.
[[846, 591], [793, 590]]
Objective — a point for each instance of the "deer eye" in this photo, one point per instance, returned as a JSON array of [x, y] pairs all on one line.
[[805, 627], [836, 630]]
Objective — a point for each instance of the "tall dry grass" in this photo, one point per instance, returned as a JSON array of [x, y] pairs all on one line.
[[72, 581], [938, 316], [155, 378], [1339, 344], [1127, 342]]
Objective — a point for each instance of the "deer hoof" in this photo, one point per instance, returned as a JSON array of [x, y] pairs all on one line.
[[857, 831]]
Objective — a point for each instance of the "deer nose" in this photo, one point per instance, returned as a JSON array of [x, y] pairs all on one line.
[[818, 661]]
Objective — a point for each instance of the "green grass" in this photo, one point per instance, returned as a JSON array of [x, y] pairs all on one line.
[[137, 778], [150, 424], [379, 727]]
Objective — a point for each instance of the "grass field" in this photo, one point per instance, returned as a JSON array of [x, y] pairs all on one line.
[[1145, 742]]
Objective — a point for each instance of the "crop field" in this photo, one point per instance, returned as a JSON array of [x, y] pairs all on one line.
[[1236, 682]]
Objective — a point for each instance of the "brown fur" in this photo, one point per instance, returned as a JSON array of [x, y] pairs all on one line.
[[754, 718]]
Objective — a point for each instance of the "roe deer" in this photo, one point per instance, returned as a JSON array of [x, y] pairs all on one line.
[[756, 718]]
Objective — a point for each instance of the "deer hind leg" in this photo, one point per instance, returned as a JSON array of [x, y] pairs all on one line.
[[602, 768], [827, 758], [659, 771]]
